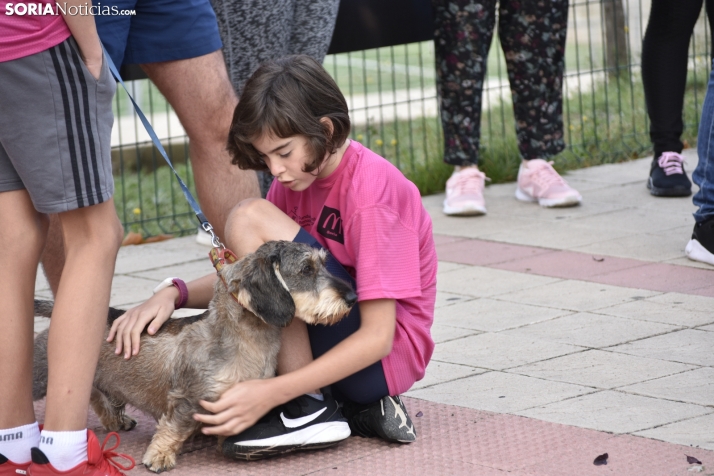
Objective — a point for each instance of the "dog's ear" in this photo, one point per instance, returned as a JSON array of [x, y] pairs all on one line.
[[270, 298]]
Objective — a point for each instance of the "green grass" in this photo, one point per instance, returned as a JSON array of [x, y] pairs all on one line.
[[151, 202]]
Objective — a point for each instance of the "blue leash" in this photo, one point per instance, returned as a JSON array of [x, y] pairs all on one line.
[[189, 198]]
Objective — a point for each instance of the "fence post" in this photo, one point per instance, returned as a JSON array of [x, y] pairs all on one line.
[[616, 50]]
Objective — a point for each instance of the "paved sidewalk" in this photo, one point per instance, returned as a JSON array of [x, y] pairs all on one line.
[[561, 334]]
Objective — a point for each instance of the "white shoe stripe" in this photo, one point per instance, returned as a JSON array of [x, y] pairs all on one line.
[[296, 422]]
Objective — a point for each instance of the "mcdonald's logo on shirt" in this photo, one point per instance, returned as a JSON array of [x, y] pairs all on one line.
[[330, 225]]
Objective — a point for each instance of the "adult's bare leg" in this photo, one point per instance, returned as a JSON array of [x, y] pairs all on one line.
[[92, 237], [22, 234], [199, 91]]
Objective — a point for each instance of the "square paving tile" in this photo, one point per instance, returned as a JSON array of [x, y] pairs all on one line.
[[493, 315], [127, 289], [658, 246], [483, 282], [685, 301], [445, 267], [564, 234], [689, 346], [187, 271], [499, 392], [695, 386], [604, 370], [591, 330], [444, 299], [615, 411], [137, 258], [481, 252], [568, 265], [660, 277], [635, 220], [576, 295], [498, 351], [440, 372], [695, 431], [443, 333], [666, 313]]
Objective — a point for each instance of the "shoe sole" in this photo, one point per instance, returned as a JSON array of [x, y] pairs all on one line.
[[667, 192], [548, 202], [322, 435], [464, 211], [696, 252]]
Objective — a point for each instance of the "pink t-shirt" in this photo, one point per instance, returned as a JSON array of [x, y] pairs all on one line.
[[372, 220], [24, 33]]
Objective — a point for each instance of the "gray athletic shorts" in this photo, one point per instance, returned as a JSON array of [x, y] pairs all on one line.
[[55, 129]]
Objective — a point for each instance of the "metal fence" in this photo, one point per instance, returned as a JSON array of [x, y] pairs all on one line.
[[392, 97]]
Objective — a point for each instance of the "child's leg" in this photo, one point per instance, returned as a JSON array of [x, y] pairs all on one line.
[[92, 236], [22, 235]]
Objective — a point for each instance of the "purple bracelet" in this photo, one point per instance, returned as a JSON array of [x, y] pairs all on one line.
[[183, 292]]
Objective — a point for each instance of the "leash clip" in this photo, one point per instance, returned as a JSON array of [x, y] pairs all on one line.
[[214, 238]]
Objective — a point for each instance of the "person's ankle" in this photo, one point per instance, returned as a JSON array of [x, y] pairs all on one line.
[[459, 168]]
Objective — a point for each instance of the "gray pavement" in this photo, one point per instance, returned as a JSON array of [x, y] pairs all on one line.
[[628, 358]]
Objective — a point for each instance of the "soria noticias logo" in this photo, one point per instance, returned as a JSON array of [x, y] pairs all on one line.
[[22, 9]]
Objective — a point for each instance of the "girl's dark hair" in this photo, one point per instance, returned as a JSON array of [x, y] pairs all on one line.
[[288, 97]]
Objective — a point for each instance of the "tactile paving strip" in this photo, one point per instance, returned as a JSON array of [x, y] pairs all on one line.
[[451, 440]]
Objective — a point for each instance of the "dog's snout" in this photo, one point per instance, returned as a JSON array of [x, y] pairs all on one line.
[[350, 298]]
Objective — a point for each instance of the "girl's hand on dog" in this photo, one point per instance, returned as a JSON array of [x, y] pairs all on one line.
[[238, 408], [128, 328]]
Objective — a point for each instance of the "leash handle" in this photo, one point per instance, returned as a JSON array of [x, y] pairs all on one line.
[[189, 198]]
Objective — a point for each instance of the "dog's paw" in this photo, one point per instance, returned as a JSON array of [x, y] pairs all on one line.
[[128, 423], [157, 461], [122, 423]]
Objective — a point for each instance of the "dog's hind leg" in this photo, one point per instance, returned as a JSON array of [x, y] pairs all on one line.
[[172, 430], [110, 412]]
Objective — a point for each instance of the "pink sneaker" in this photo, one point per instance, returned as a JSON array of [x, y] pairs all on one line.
[[464, 193], [539, 182]]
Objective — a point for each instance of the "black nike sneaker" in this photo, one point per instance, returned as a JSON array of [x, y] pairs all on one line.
[[304, 423], [701, 246], [386, 418]]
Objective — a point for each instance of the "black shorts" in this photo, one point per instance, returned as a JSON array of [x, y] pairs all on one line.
[[369, 384]]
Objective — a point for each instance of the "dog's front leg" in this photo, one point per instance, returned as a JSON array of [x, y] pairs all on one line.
[[171, 431], [111, 412]]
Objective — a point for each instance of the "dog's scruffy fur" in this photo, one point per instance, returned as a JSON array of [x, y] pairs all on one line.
[[198, 358]]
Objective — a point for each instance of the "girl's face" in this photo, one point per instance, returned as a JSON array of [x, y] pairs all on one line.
[[286, 158]]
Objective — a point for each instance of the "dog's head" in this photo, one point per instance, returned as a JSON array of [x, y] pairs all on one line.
[[283, 279]]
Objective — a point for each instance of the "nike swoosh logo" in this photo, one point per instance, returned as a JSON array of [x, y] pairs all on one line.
[[296, 422]]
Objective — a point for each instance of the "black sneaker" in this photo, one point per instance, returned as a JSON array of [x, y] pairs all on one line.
[[701, 246], [386, 418], [668, 178], [304, 423]]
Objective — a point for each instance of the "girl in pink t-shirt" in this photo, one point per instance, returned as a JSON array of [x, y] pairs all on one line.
[[333, 193]]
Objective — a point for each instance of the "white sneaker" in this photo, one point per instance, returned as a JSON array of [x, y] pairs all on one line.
[[539, 182], [464, 193]]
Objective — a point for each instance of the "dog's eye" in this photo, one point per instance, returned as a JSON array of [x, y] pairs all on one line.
[[307, 269]]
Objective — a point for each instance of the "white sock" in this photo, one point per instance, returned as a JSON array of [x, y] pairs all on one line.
[[317, 396], [64, 449], [15, 443]]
